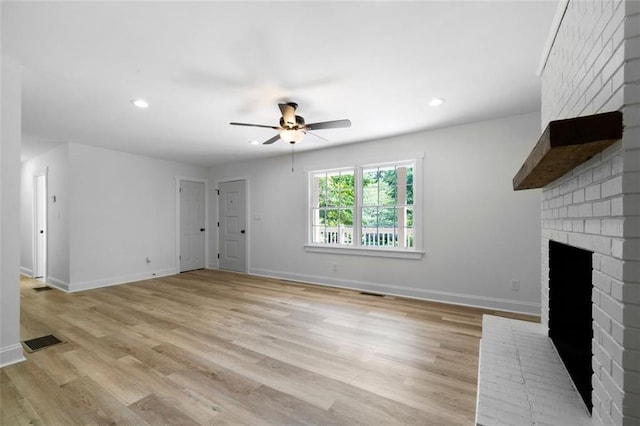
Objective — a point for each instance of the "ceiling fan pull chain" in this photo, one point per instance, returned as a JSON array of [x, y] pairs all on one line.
[[292, 157]]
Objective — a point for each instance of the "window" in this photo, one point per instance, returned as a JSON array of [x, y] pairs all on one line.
[[369, 207]]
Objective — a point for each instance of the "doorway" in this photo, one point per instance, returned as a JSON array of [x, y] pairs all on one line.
[[192, 252], [39, 252], [232, 233]]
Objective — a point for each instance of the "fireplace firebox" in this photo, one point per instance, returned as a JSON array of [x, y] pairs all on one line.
[[570, 312]]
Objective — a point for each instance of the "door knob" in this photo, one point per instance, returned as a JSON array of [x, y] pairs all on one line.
[[201, 229], [242, 231], [42, 231]]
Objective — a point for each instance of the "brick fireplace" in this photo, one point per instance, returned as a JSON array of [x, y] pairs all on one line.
[[593, 66]]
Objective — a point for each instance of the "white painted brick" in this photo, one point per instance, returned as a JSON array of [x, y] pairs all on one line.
[[592, 226], [573, 211], [596, 261], [585, 178], [615, 61], [613, 390], [601, 281], [602, 171], [631, 359], [631, 406], [613, 227], [612, 267], [613, 308], [618, 334], [631, 135], [567, 199], [632, 74], [577, 225], [630, 249], [632, 160], [617, 206], [601, 318], [632, 8], [631, 338], [617, 290], [617, 164], [602, 208], [617, 248], [585, 210], [631, 182], [612, 187], [631, 114], [578, 196], [631, 271], [599, 244], [632, 227], [601, 355], [615, 103], [631, 315], [593, 192], [596, 297]]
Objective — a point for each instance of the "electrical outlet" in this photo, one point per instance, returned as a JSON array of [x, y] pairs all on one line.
[[515, 285]]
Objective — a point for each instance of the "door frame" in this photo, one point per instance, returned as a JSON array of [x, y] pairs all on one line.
[[34, 225], [247, 222], [206, 220]]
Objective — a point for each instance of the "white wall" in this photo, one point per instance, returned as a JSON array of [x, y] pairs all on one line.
[[113, 210], [123, 210], [479, 234], [11, 123], [56, 162]]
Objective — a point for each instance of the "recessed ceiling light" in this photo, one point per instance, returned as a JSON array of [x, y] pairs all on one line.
[[436, 101], [140, 103], [254, 142]]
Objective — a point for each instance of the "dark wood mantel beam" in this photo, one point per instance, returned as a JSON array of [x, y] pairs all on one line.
[[565, 144]]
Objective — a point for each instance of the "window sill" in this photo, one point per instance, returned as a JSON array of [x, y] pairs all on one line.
[[361, 251]]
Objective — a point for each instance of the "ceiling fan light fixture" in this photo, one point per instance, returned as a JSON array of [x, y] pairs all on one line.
[[140, 103], [436, 102], [291, 135], [254, 142]]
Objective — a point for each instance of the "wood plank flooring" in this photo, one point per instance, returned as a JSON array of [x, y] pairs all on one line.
[[211, 347]]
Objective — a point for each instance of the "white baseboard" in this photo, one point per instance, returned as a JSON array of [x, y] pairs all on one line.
[[11, 355], [26, 271], [409, 292], [57, 283], [124, 279]]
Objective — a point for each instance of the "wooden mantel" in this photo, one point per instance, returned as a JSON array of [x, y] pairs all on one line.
[[565, 144]]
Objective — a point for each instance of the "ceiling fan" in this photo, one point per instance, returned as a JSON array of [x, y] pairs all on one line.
[[292, 127]]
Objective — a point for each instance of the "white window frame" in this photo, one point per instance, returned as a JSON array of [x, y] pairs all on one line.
[[416, 252]]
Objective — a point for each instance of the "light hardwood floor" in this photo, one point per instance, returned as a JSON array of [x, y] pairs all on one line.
[[210, 347]]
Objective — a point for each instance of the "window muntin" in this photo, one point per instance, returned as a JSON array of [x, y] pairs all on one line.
[[365, 206]]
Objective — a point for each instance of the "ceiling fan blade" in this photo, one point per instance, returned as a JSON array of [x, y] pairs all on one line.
[[272, 140], [254, 125], [288, 111], [328, 125]]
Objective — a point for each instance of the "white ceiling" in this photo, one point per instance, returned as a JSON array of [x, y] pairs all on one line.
[[203, 64]]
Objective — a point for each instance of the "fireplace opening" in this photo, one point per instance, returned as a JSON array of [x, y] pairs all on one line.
[[570, 317]]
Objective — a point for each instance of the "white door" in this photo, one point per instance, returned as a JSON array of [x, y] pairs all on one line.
[[40, 225], [233, 220], [192, 220]]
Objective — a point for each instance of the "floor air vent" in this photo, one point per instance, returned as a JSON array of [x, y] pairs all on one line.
[[43, 288], [366, 293], [41, 342]]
